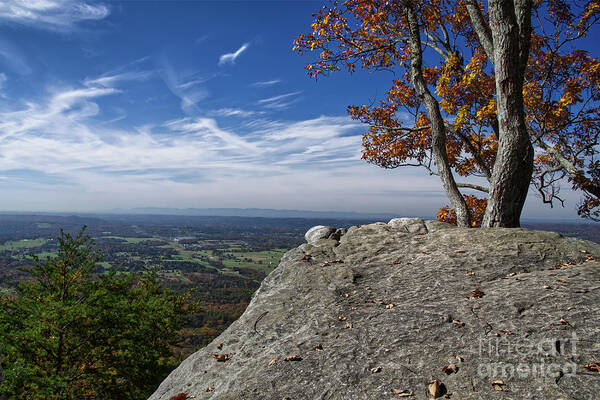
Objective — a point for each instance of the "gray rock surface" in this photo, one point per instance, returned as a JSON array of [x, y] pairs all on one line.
[[382, 309]]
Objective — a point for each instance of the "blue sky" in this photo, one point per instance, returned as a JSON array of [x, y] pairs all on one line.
[[182, 104]]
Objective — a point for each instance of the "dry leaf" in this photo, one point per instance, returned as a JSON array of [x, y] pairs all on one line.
[[348, 325], [398, 261], [293, 357], [435, 389], [450, 369], [221, 357], [459, 359], [220, 346], [273, 361], [564, 322], [402, 392], [563, 280], [375, 370], [497, 385], [377, 301], [210, 389], [457, 322], [470, 273], [342, 318], [319, 347], [546, 287], [389, 306], [595, 366], [459, 251], [306, 257], [477, 294]]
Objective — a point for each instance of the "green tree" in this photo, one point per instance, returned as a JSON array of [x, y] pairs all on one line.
[[68, 334]]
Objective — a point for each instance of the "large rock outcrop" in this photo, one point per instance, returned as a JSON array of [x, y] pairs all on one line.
[[413, 308]]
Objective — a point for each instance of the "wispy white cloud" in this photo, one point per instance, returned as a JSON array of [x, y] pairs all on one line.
[[12, 57], [111, 80], [60, 147], [266, 83], [51, 14], [201, 39], [189, 91], [230, 58], [3, 80], [233, 112], [279, 102]]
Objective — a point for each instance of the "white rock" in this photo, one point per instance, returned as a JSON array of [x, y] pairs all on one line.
[[410, 225], [318, 232]]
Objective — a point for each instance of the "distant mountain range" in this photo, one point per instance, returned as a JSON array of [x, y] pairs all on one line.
[[253, 212]]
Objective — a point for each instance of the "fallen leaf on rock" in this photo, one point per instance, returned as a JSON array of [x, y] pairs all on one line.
[[595, 366], [221, 357], [546, 287], [375, 370], [563, 280], [590, 258], [564, 322], [346, 294], [459, 359], [319, 347], [348, 325], [581, 291], [210, 389], [402, 392], [342, 318], [273, 361], [470, 273], [306, 257], [477, 294], [460, 251], [398, 261], [293, 357], [389, 306], [497, 385], [220, 346], [457, 322], [180, 396], [435, 389], [377, 301], [450, 369]]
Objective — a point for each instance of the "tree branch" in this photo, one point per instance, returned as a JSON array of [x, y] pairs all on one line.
[[481, 27]]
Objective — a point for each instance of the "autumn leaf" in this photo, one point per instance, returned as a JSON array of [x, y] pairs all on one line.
[[222, 357], [293, 357], [435, 388], [450, 369], [402, 392]]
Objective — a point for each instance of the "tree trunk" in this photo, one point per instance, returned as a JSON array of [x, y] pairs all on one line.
[[510, 25], [438, 128]]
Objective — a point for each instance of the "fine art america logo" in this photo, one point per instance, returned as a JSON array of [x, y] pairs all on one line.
[[527, 358]]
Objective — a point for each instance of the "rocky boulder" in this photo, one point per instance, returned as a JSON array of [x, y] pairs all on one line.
[[388, 311]]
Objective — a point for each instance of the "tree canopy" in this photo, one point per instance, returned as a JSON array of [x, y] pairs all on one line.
[[474, 89], [67, 334]]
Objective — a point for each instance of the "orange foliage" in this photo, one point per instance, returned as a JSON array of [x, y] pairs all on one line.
[[476, 207]]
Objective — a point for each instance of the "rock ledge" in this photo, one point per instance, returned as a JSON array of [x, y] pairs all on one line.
[[386, 308]]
